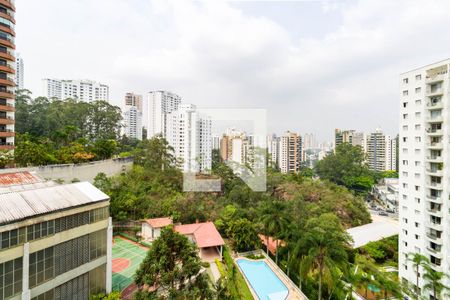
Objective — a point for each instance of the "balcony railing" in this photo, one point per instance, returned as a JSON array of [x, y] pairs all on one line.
[[433, 237], [435, 78], [434, 131], [434, 145]]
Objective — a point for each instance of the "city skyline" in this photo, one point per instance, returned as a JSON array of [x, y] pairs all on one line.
[[349, 78]]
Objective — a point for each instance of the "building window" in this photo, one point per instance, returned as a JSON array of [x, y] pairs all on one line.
[[405, 93], [11, 278], [405, 80], [417, 115], [417, 90], [418, 102], [41, 266], [416, 225], [418, 77], [416, 236], [417, 127], [405, 127], [405, 104]]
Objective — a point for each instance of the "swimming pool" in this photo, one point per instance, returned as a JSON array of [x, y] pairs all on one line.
[[263, 280]]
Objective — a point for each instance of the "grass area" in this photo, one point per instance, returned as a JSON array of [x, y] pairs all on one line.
[[237, 286]]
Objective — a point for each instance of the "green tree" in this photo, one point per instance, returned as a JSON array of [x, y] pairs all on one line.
[[155, 154], [6, 157], [171, 266], [434, 281], [102, 296], [30, 152], [418, 261], [327, 241], [244, 235]]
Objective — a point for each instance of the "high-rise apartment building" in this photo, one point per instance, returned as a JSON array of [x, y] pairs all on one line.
[[424, 170], [236, 146], [7, 71], [381, 151], [133, 122], [273, 149], [132, 99], [189, 133], [156, 108], [349, 136], [19, 78], [56, 239], [81, 90], [290, 152], [215, 142]]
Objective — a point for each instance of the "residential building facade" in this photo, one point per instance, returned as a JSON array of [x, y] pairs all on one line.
[[156, 108], [290, 152], [236, 146], [424, 170], [7, 71], [56, 240], [19, 78], [189, 133], [381, 151], [132, 99], [81, 90], [133, 122], [349, 136]]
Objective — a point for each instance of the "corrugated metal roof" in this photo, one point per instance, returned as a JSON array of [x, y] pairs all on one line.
[[18, 205], [25, 177]]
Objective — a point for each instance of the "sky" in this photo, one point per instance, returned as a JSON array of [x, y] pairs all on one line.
[[313, 65]]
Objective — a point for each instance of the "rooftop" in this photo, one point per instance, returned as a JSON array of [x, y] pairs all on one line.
[[159, 222], [8, 179], [26, 201], [205, 234], [380, 228]]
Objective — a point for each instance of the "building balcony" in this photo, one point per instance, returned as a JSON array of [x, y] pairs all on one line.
[[435, 78], [6, 146], [7, 42], [7, 95], [434, 172], [435, 185], [435, 212], [8, 16], [434, 238], [8, 56], [7, 29], [436, 159], [7, 81], [435, 252], [9, 4], [435, 119], [7, 107], [434, 199], [7, 120], [7, 69], [435, 132], [7, 133], [434, 145], [435, 105], [435, 226]]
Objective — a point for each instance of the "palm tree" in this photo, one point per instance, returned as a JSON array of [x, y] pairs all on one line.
[[274, 221], [434, 281], [418, 260], [326, 241]]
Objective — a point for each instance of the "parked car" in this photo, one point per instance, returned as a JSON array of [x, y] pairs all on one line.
[[383, 213]]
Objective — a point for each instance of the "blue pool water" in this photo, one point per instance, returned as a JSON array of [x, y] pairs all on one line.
[[263, 280]]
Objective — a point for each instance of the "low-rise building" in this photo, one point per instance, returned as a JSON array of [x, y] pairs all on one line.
[[387, 192], [55, 239], [151, 228]]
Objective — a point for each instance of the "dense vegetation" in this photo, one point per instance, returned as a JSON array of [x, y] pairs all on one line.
[[51, 131], [309, 215]]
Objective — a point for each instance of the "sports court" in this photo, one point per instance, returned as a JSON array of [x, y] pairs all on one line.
[[127, 256]]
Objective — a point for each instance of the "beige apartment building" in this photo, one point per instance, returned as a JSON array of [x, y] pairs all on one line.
[[290, 152], [55, 239]]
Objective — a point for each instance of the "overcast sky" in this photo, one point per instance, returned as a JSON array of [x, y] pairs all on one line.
[[314, 65]]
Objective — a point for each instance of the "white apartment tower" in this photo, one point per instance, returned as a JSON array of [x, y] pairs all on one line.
[[189, 133], [133, 122], [381, 151], [290, 152], [19, 73], [156, 108], [81, 90], [424, 169]]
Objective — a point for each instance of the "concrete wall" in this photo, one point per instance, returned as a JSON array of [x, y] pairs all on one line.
[[82, 172]]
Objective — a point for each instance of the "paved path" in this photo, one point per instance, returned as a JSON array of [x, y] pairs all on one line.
[[215, 271]]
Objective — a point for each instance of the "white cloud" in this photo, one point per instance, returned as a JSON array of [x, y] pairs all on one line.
[[215, 55]]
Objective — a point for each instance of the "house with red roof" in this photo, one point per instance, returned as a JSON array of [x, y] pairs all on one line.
[[206, 237], [151, 228]]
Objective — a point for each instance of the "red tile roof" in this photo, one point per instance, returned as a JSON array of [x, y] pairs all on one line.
[[159, 222], [205, 234], [17, 178], [272, 243]]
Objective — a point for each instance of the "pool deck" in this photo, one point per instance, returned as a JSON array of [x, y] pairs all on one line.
[[294, 293]]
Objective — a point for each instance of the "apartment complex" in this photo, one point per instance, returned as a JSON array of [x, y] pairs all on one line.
[[55, 239], [349, 136], [132, 118], [155, 110], [290, 152], [81, 90], [236, 146], [381, 151], [189, 133], [424, 171], [7, 71], [19, 78], [132, 99]]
